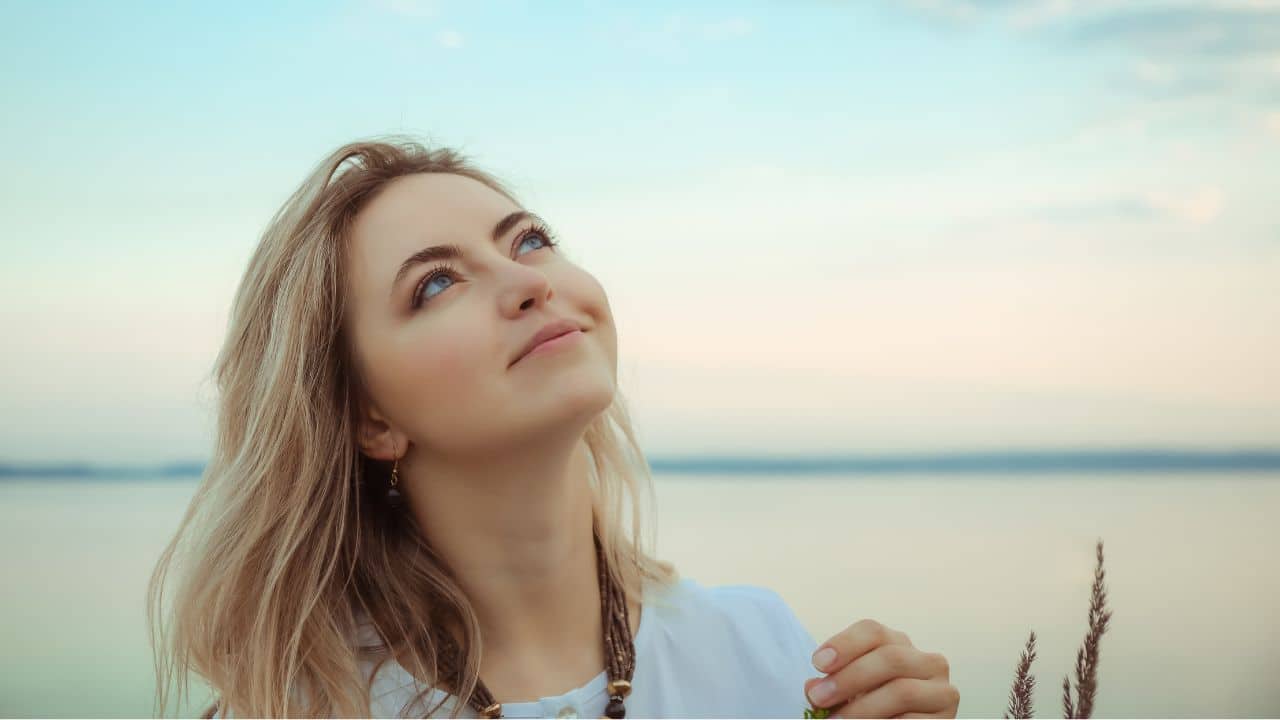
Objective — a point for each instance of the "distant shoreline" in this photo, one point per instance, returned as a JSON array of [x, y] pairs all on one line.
[[1020, 461]]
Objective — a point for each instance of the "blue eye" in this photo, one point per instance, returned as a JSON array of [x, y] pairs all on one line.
[[537, 230], [420, 295], [442, 276], [545, 241]]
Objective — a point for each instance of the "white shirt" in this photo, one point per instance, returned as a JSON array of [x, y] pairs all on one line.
[[701, 652], [733, 651]]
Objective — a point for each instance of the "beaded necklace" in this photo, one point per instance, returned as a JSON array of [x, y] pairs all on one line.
[[619, 649]]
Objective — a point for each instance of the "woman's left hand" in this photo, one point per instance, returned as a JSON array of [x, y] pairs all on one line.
[[878, 673]]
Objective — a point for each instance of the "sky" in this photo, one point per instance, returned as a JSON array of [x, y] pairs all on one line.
[[846, 227]]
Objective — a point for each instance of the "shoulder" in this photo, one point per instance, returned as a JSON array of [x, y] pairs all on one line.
[[763, 605], [751, 615], [757, 598], [393, 691], [704, 644]]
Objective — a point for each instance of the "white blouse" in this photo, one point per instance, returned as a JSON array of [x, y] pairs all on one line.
[[733, 651]]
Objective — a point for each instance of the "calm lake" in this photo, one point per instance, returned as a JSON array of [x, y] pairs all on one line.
[[966, 565]]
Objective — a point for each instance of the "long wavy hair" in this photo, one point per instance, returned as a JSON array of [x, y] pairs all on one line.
[[289, 546]]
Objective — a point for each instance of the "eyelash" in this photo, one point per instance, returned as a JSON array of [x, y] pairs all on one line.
[[536, 229]]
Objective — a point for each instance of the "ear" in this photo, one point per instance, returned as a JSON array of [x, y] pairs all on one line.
[[379, 440]]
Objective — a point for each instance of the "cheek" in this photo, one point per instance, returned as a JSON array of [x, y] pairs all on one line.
[[430, 369], [439, 384], [432, 365]]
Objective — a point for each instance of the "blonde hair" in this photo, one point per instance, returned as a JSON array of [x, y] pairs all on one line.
[[288, 544]]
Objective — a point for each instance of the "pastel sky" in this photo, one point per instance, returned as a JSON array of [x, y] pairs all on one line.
[[823, 226]]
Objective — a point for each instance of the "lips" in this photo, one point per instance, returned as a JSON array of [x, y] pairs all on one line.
[[551, 330]]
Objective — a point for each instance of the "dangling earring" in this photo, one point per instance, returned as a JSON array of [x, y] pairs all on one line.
[[394, 498]]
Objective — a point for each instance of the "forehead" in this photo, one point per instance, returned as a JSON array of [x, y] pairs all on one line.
[[413, 209], [411, 213]]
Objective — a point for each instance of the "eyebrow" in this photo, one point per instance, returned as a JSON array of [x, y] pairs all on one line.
[[450, 251]]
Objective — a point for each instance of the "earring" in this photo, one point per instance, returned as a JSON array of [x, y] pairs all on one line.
[[394, 497]]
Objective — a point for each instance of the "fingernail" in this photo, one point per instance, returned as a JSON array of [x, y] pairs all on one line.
[[822, 692], [823, 658]]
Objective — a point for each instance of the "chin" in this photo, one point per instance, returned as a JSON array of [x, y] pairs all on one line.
[[593, 388], [580, 396]]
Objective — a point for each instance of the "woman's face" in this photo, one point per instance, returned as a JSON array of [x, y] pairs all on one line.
[[436, 345]]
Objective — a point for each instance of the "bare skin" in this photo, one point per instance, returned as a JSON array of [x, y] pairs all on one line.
[[491, 453]]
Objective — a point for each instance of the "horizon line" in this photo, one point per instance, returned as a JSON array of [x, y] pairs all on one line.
[[944, 462]]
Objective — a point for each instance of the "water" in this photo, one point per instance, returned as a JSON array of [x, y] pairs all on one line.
[[966, 565]]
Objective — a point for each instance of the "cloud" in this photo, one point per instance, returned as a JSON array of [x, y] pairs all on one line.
[[1170, 29], [1030, 15], [1188, 207], [449, 39], [1173, 80], [1175, 51], [1203, 30], [1198, 208], [1127, 208]]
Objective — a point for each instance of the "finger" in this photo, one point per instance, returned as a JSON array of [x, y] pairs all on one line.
[[870, 671], [898, 697], [854, 641], [808, 685], [919, 715]]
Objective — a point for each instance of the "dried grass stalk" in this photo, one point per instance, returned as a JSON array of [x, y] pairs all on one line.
[[1068, 710], [1024, 683], [1087, 656], [1020, 705]]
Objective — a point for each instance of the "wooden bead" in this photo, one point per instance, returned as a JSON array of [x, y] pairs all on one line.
[[616, 709], [493, 711], [620, 687]]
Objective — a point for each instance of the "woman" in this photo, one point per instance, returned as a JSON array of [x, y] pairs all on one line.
[[416, 503]]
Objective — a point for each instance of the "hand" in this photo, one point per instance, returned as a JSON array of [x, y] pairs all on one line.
[[878, 673]]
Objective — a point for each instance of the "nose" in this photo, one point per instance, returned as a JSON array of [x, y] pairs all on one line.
[[529, 289]]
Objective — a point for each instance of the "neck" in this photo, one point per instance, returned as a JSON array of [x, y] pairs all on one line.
[[516, 529]]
